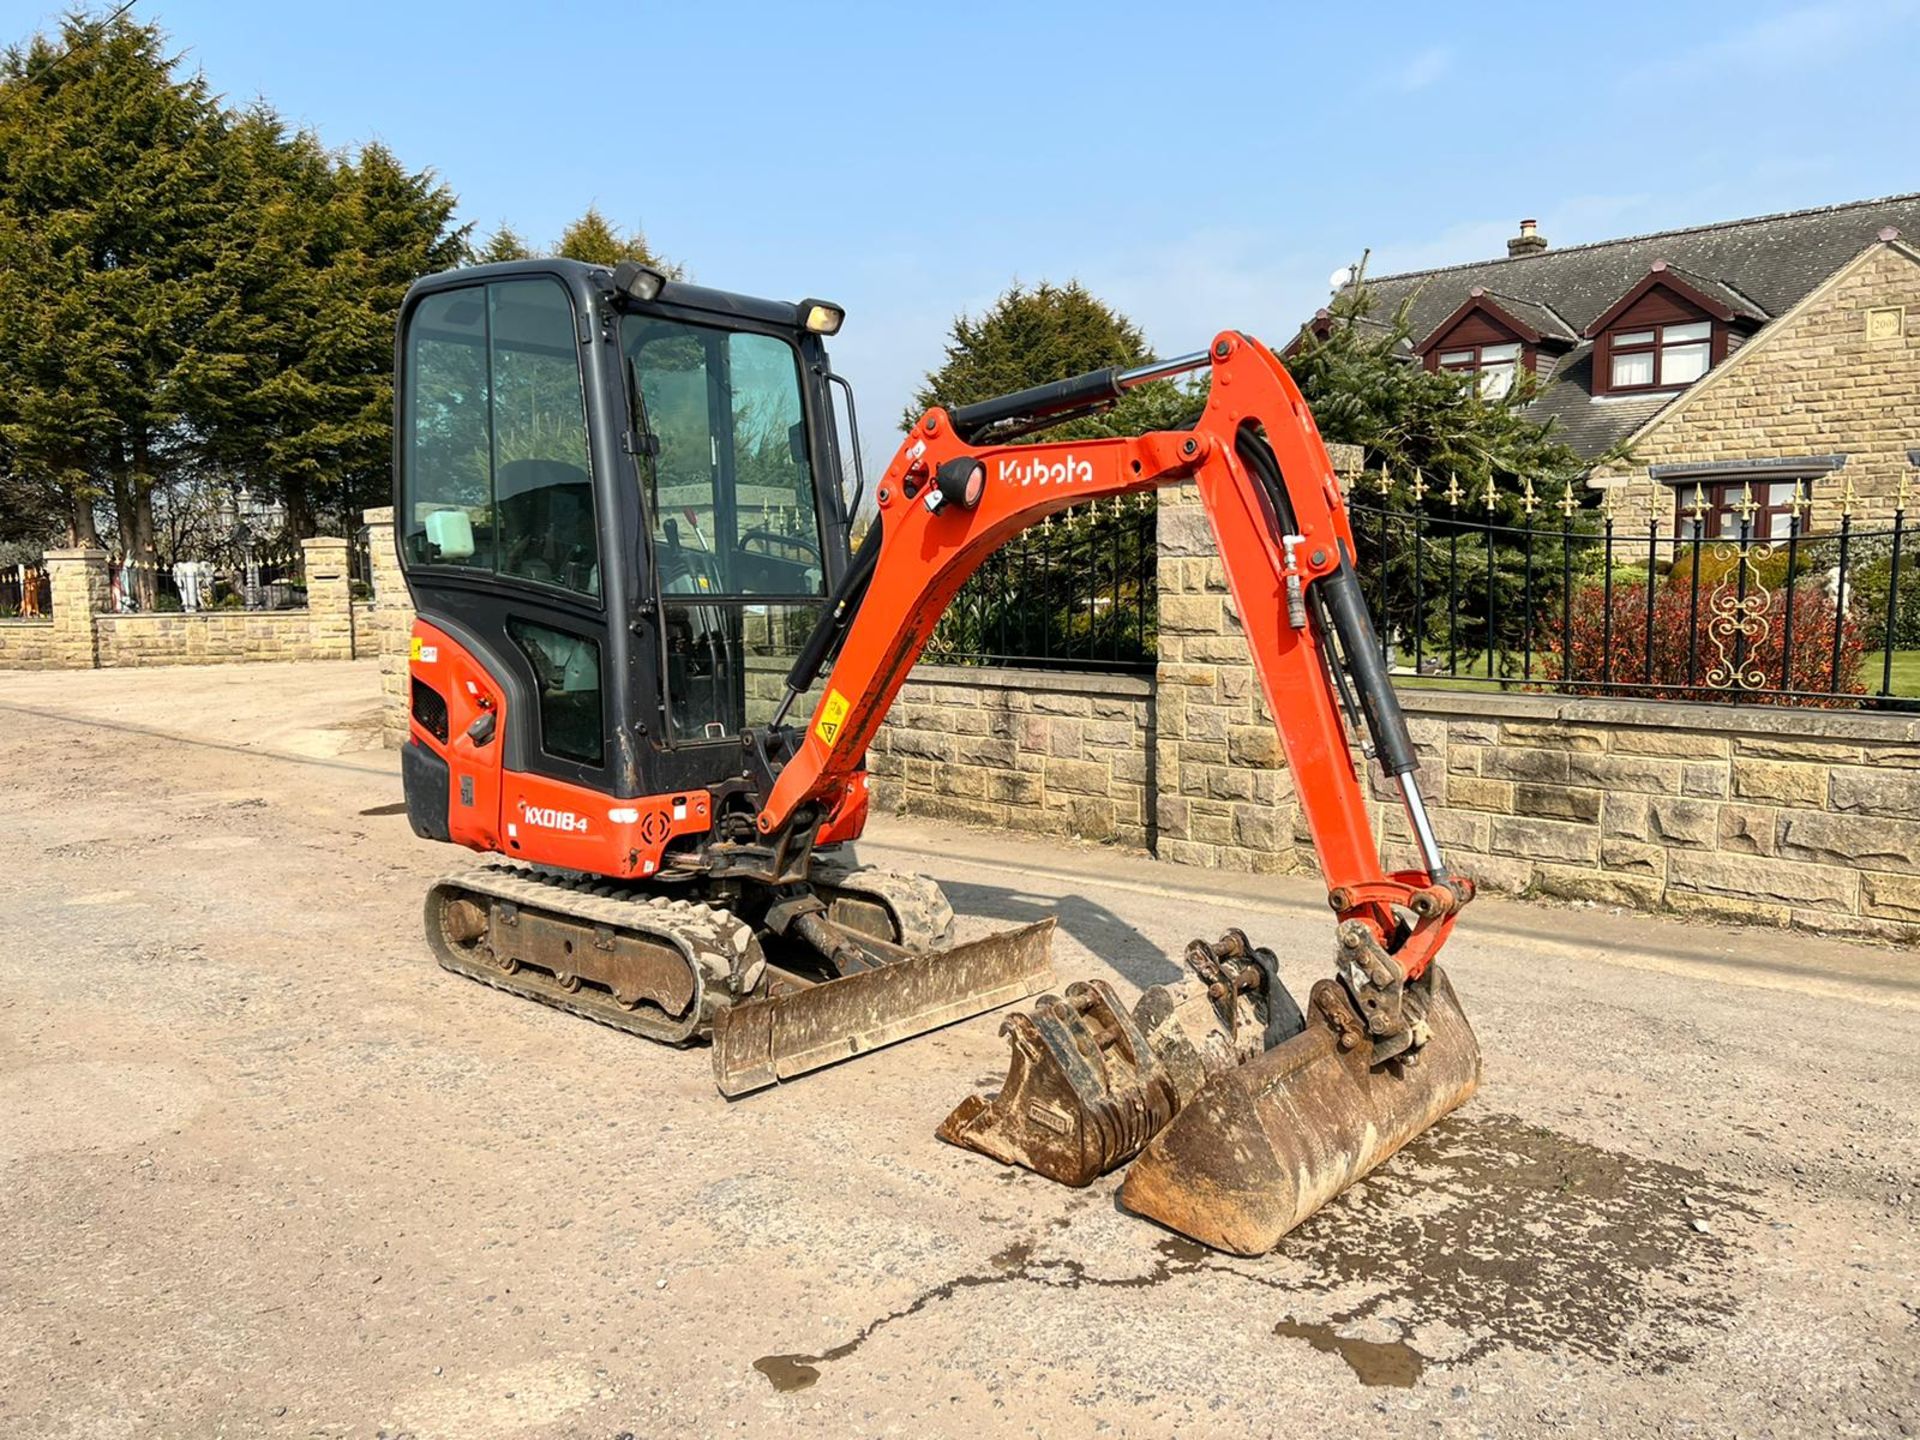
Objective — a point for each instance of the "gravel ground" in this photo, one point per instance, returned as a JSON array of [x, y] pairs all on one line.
[[265, 1170]]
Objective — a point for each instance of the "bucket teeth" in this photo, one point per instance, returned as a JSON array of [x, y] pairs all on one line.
[[1084, 1091], [1089, 1085]]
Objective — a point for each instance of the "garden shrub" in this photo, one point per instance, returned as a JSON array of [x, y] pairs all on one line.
[[1674, 623], [1867, 597]]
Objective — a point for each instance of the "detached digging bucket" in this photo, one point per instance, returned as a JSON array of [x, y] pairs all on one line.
[[1263, 1145]]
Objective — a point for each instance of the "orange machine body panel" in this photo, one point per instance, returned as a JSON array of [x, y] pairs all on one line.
[[536, 817]]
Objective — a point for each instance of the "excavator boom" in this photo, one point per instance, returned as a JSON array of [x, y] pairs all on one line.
[[1251, 1113]]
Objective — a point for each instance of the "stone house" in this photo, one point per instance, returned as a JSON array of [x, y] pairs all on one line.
[[1740, 369]]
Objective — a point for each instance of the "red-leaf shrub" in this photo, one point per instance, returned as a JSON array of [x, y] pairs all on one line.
[[1714, 673]]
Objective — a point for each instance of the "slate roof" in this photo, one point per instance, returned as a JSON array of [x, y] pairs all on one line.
[[1541, 316], [1761, 266]]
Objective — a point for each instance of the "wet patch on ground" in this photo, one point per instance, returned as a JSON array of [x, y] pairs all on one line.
[[1373, 1362], [1517, 1235], [1506, 1232]]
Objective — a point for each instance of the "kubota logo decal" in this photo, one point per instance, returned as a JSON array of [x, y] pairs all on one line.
[[545, 817], [1037, 472]]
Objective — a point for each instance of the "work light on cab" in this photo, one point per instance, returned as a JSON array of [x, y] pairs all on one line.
[[640, 282], [821, 317]]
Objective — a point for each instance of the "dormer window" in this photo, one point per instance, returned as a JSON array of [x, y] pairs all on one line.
[[1494, 364], [1495, 337], [1667, 331], [1660, 357]]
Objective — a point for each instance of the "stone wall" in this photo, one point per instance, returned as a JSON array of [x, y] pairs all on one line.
[[83, 634], [1821, 380], [1785, 816], [366, 637], [211, 637], [392, 627], [1057, 754], [27, 645], [1764, 814]]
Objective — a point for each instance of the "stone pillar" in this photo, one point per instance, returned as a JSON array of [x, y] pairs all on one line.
[[1224, 798], [393, 623], [329, 598], [1222, 795], [80, 592]]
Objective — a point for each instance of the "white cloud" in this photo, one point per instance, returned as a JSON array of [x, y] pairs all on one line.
[[1417, 73]]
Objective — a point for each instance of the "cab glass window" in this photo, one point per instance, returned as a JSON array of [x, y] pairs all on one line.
[[448, 517], [566, 669], [497, 473], [730, 494]]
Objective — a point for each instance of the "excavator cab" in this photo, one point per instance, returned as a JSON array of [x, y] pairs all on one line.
[[636, 506]]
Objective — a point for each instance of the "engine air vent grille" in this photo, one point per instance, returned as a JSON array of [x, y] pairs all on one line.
[[430, 709]]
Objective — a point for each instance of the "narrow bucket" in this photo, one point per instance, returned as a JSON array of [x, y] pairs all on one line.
[[1265, 1144], [760, 1042]]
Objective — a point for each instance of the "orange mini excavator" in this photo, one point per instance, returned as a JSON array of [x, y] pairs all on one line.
[[625, 508]]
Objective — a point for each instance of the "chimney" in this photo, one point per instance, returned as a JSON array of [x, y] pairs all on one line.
[[1528, 242]]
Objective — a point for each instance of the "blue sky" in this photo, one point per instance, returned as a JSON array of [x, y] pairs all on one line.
[[1199, 165]]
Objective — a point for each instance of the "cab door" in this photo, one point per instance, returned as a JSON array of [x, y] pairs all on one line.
[[734, 531], [501, 533]]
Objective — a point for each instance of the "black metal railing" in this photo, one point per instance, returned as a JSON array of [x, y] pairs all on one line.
[[26, 592], [1076, 592], [1579, 603], [360, 563]]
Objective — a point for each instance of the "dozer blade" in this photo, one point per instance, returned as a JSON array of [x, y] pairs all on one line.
[[1263, 1145], [762, 1041]]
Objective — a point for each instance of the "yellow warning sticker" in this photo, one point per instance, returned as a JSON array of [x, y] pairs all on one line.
[[832, 716], [414, 652]]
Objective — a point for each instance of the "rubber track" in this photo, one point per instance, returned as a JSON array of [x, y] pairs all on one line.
[[718, 946], [919, 907]]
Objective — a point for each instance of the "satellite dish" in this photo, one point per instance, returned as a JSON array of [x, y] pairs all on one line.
[[1339, 278]]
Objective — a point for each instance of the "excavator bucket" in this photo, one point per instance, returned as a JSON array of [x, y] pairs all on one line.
[[1246, 1115], [799, 1026], [1263, 1145]]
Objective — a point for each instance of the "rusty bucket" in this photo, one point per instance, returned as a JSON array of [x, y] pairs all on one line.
[[1266, 1143]]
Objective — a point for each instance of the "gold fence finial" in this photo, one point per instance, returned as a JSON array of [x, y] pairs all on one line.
[[1453, 490], [1419, 485], [1699, 506], [1607, 502], [1529, 502], [1900, 489], [1492, 495], [1746, 508], [1848, 498], [1566, 502]]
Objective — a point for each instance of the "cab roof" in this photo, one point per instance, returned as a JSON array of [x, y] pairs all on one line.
[[783, 313]]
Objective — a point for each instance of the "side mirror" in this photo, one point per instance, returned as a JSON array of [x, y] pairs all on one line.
[[797, 441]]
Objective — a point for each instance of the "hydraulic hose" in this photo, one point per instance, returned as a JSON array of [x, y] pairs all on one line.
[[1347, 609]]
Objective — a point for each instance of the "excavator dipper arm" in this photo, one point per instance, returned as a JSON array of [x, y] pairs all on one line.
[[948, 501]]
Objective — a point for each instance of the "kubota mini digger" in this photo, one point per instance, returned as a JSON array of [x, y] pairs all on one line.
[[624, 507]]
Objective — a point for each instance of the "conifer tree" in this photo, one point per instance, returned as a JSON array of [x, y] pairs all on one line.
[[596, 240], [503, 244]]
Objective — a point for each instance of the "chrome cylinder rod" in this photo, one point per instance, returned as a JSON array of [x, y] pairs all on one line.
[[1431, 860], [1161, 369]]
